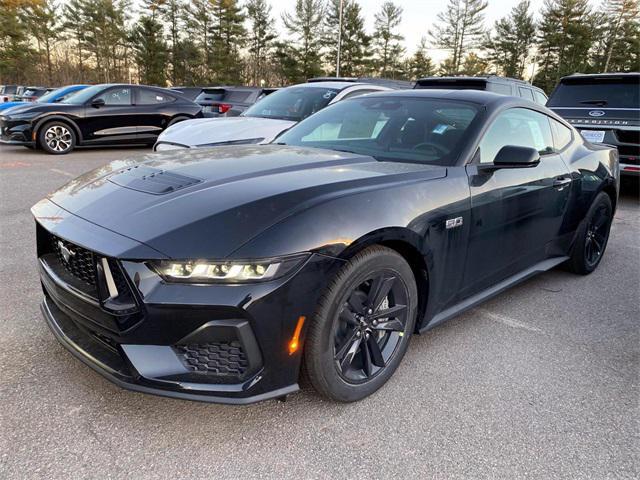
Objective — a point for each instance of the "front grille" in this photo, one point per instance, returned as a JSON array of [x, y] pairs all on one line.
[[79, 262], [628, 136], [220, 358]]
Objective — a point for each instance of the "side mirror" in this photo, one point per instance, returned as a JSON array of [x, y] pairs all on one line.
[[97, 102], [512, 156]]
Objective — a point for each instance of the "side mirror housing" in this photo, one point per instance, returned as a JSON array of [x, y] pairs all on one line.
[[97, 103], [512, 156]]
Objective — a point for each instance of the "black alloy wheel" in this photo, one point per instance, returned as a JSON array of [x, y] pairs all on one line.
[[592, 236], [368, 330], [597, 235], [362, 328]]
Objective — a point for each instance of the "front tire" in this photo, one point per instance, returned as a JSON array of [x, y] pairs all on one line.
[[362, 327], [57, 138], [592, 237]]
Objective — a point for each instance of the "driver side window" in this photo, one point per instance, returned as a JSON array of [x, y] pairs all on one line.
[[519, 127], [116, 96]]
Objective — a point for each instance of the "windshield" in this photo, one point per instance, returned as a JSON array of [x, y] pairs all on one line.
[[401, 129], [51, 96], [85, 95], [292, 103], [609, 92]]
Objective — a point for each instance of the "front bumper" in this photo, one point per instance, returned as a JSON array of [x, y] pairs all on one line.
[[214, 343], [16, 133]]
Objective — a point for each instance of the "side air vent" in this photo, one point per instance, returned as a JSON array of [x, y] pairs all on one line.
[[152, 180]]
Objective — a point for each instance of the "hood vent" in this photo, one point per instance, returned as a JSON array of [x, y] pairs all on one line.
[[152, 180]]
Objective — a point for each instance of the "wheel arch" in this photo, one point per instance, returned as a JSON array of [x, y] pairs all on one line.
[[408, 245], [61, 118]]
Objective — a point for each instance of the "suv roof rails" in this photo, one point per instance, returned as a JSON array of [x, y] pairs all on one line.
[[384, 82]]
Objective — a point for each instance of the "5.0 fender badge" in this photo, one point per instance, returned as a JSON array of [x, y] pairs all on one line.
[[453, 223]]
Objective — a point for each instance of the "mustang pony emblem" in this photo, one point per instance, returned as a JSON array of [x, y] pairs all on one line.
[[66, 253]]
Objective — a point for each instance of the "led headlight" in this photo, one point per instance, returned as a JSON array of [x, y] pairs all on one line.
[[203, 271]]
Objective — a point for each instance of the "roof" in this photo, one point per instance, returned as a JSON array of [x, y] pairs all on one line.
[[476, 78], [595, 76], [481, 97], [384, 82]]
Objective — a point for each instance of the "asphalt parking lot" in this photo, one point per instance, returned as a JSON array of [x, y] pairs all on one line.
[[541, 382]]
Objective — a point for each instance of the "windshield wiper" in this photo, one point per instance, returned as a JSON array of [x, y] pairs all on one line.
[[599, 103]]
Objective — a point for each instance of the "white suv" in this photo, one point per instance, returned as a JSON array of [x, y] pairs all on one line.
[[268, 118]]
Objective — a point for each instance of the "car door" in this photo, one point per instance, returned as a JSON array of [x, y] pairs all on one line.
[[112, 122], [516, 213], [154, 111]]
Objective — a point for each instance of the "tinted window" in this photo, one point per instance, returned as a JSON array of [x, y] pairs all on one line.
[[84, 95], [519, 127], [561, 134], [151, 97], [116, 96], [526, 93], [501, 88], [292, 103], [238, 96], [453, 84], [540, 97], [389, 128], [612, 93]]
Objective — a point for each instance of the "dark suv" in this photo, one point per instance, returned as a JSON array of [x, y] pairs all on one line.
[[491, 83], [225, 101], [605, 108]]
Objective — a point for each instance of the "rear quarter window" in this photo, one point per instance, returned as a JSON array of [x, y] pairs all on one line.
[[501, 88], [562, 135]]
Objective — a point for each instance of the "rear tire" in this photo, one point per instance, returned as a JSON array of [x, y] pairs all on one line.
[[352, 348], [592, 237], [57, 138]]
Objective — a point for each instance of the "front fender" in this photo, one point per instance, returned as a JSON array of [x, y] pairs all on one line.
[[40, 121]]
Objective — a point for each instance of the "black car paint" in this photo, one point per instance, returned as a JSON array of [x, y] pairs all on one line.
[[100, 125], [257, 202]]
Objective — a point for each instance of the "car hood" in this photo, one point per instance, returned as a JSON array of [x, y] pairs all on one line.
[[8, 105], [203, 131], [35, 108], [205, 203]]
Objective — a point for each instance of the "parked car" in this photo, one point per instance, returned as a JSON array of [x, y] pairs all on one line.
[[265, 120], [229, 101], [605, 108], [31, 94], [53, 96], [108, 114], [189, 92], [213, 274], [489, 83], [7, 92]]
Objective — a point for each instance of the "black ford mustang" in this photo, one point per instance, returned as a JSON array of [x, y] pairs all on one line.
[[216, 274], [108, 114]]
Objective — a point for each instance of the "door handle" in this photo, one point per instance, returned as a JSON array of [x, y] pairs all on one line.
[[561, 182]]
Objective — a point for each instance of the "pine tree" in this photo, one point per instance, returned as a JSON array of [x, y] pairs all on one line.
[[305, 25], [420, 65], [228, 35], [618, 37], [16, 53], [150, 47], [44, 26], [199, 24], [354, 41], [172, 15], [387, 41], [566, 37], [460, 29], [261, 38], [509, 48], [473, 65], [75, 28]]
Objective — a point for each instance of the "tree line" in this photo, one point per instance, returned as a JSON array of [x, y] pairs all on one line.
[[217, 42]]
